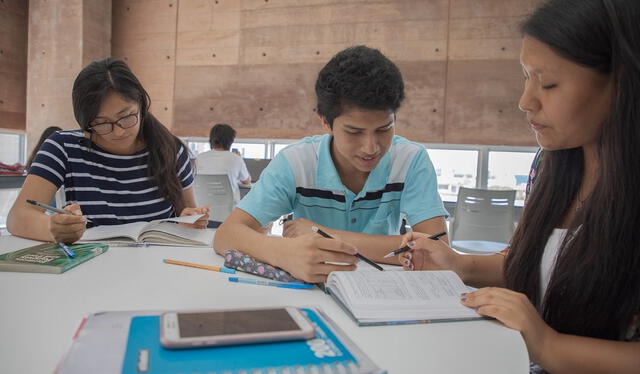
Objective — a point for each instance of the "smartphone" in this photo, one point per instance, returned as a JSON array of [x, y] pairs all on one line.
[[233, 326]]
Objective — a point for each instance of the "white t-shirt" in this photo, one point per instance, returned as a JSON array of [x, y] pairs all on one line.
[[224, 162], [549, 257]]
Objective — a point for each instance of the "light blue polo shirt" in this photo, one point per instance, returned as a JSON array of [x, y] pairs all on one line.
[[303, 179]]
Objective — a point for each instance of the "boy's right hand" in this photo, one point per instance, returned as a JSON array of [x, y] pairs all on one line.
[[310, 257], [67, 228], [427, 254]]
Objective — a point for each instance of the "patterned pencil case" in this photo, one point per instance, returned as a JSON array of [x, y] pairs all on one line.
[[237, 260]]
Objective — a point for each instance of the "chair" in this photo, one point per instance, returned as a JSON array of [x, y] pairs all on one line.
[[214, 190], [483, 220]]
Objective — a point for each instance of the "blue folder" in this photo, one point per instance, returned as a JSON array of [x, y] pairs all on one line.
[[325, 353]]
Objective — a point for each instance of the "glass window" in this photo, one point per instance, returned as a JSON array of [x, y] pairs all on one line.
[[509, 170], [11, 151], [251, 150], [196, 147], [454, 168]]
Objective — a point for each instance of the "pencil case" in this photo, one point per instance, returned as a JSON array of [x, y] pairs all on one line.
[[234, 259]]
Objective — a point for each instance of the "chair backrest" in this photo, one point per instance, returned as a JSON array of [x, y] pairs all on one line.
[[214, 190], [484, 215], [255, 166]]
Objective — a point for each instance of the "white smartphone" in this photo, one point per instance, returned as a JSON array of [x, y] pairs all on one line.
[[233, 326]]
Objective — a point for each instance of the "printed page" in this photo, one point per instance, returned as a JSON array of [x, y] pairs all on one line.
[[395, 295], [171, 233], [128, 231]]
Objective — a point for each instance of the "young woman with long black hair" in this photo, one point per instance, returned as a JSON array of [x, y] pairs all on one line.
[[570, 281], [122, 166]]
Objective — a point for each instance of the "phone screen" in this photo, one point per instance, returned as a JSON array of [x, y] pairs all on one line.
[[235, 322]]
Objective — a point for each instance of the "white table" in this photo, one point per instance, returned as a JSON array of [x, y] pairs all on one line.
[[39, 313]]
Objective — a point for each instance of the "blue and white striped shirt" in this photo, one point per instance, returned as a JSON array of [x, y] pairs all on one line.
[[303, 179], [110, 189]]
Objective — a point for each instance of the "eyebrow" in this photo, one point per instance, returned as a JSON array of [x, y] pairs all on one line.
[[117, 114], [377, 128]]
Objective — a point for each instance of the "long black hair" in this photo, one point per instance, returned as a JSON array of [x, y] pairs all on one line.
[[595, 286], [91, 86]]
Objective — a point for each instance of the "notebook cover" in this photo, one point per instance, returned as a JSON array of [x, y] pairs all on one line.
[[49, 258], [325, 352]]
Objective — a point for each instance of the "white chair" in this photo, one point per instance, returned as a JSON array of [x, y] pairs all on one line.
[[214, 190], [483, 220]]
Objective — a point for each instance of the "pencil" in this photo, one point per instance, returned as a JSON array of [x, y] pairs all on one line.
[[406, 247], [358, 255], [221, 269]]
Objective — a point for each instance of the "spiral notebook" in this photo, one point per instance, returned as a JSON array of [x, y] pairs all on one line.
[[128, 342], [325, 353]]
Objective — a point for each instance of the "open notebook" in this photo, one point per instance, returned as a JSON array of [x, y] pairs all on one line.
[[397, 297], [161, 231]]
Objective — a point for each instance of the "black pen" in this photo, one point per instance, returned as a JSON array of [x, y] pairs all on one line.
[[406, 247], [51, 208], [358, 255]]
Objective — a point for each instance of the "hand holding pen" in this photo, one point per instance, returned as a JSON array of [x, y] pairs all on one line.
[[427, 252], [324, 234], [68, 225]]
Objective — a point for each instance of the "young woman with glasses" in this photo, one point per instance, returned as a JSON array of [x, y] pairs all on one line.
[[122, 166]]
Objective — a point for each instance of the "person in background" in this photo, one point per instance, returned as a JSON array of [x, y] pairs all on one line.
[[570, 281], [220, 160], [45, 134], [122, 165], [355, 183]]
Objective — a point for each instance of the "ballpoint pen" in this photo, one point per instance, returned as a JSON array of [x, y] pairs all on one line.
[[51, 208], [358, 255], [67, 251], [264, 282], [406, 247]]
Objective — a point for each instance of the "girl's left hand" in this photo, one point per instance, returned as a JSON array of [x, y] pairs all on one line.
[[202, 222], [515, 311]]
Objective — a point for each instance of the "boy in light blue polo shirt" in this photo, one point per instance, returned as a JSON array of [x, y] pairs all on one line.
[[355, 183]]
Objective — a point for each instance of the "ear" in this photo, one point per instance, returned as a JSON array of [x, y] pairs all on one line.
[[325, 123]]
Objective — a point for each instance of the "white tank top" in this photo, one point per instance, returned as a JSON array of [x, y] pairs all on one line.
[[549, 256]]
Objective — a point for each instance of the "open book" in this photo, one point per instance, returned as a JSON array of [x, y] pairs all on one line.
[[161, 231], [398, 297]]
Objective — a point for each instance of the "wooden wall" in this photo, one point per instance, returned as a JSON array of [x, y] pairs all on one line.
[[13, 64], [64, 36], [253, 63]]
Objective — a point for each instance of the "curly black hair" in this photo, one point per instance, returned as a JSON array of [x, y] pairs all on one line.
[[360, 77]]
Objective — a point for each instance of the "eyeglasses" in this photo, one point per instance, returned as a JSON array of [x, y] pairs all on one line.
[[105, 128]]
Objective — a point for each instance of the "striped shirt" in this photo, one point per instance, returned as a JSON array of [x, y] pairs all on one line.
[[110, 189], [302, 179]]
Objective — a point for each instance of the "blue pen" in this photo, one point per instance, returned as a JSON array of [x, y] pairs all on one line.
[[296, 285], [67, 251]]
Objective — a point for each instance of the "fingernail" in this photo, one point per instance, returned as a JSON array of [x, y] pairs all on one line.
[[464, 293], [411, 243], [409, 257], [463, 299], [410, 266]]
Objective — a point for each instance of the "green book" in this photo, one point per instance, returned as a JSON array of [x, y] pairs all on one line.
[[49, 258]]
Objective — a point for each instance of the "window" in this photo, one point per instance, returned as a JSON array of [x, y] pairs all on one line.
[[251, 150], [13, 148], [454, 168], [509, 170]]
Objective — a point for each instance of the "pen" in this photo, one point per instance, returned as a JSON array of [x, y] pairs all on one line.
[[358, 255], [221, 269], [51, 208], [67, 251], [406, 247], [261, 282]]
